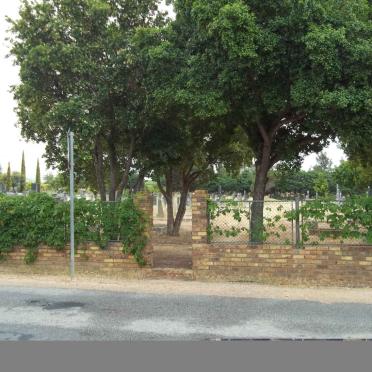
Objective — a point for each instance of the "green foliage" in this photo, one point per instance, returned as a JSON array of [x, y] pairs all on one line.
[[321, 184], [293, 181], [39, 219], [273, 220], [54, 183], [351, 219], [229, 182], [292, 74], [352, 177], [224, 208], [78, 72]]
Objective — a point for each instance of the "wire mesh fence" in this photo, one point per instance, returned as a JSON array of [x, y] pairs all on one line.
[[291, 222]]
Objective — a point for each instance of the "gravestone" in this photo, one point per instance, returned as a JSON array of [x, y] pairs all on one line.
[[160, 207]]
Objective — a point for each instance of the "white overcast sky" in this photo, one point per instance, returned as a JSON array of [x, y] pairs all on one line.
[[11, 142]]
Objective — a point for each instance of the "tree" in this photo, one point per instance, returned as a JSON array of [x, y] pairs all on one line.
[[22, 186], [352, 177], [8, 180], [298, 182], [323, 162], [55, 182], [77, 73], [229, 182], [321, 184], [293, 75], [38, 177], [178, 147]]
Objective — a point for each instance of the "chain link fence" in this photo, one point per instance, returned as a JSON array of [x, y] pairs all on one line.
[[290, 222]]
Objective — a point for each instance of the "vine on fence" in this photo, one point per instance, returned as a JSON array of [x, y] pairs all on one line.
[[40, 219], [350, 219]]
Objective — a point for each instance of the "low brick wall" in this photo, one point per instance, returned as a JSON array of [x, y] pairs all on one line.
[[323, 265], [339, 265], [88, 258]]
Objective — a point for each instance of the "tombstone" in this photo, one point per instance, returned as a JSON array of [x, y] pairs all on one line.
[[35, 187], [160, 207], [188, 200]]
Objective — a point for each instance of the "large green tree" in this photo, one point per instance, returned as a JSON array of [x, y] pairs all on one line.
[[77, 73], [177, 146], [292, 74]]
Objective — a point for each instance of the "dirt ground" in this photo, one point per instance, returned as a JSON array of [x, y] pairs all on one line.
[[165, 287]]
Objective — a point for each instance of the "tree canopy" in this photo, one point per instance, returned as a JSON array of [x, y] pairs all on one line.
[[224, 82], [293, 75]]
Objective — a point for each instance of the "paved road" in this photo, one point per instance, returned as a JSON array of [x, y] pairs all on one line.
[[61, 314]]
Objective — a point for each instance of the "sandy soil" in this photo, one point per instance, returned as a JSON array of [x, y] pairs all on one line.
[[243, 290]]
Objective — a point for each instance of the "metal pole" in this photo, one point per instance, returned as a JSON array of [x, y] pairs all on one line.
[[72, 197], [297, 228]]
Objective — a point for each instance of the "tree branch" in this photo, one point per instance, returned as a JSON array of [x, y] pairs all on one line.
[[264, 133], [294, 119]]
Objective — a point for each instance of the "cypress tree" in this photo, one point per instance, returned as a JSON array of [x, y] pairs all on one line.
[[8, 179], [38, 178], [22, 186]]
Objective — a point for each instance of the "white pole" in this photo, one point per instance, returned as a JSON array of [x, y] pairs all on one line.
[[72, 197]]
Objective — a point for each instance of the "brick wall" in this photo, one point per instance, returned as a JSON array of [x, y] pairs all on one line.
[[341, 265], [322, 265], [89, 257]]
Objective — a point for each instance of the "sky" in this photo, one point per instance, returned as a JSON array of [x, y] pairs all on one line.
[[11, 142]]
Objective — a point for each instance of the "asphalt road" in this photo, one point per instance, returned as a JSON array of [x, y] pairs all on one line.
[[61, 314]]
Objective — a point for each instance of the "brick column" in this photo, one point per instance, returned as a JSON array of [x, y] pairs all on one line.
[[144, 201], [199, 217]]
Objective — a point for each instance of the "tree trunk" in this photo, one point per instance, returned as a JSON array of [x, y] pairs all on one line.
[[180, 212], [113, 170], [168, 195], [170, 218], [98, 163], [187, 180], [128, 163], [140, 183], [174, 224], [257, 216], [169, 198]]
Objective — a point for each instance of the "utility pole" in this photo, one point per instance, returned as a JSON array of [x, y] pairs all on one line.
[[70, 149]]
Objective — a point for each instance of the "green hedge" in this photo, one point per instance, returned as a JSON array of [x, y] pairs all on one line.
[[38, 219]]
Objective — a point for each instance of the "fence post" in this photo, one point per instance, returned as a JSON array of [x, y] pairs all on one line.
[[298, 234], [199, 217]]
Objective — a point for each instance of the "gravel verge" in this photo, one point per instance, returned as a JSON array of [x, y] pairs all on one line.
[[171, 287]]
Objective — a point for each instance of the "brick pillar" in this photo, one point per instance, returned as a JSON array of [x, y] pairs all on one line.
[[199, 217], [144, 201]]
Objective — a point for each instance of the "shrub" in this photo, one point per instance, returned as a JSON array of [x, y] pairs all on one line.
[[39, 219]]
